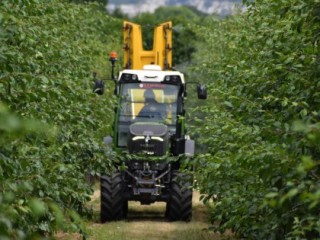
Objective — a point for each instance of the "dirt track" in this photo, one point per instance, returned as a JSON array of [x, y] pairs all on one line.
[[148, 223]]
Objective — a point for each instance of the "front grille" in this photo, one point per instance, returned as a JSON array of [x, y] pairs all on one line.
[[148, 129], [151, 139]]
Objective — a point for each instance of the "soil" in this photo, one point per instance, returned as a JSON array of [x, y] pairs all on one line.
[[147, 222]]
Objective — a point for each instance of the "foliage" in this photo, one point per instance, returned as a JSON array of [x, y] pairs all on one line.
[[100, 3], [117, 13], [261, 129], [48, 51]]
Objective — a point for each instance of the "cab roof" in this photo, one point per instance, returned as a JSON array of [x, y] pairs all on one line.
[[150, 73]]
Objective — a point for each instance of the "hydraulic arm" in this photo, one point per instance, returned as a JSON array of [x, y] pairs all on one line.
[[135, 57]]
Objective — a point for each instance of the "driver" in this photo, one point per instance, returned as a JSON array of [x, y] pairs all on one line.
[[151, 109]]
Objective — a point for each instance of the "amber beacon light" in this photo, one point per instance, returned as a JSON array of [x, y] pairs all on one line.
[[113, 56]]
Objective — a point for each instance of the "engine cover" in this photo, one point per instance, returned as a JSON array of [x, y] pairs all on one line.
[[149, 138]]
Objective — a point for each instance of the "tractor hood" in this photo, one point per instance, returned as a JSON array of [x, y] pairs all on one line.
[[148, 138]]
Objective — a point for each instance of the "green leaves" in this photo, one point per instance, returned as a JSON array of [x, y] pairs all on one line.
[[48, 51], [37, 207], [261, 130]]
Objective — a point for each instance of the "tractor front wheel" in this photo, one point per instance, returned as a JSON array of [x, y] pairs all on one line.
[[113, 205], [179, 205]]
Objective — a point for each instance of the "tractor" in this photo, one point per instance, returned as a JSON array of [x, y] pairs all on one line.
[[149, 129]]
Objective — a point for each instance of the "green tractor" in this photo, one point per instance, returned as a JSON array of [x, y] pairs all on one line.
[[150, 127]]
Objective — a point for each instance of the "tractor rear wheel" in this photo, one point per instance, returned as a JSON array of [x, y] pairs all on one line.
[[113, 204], [179, 205]]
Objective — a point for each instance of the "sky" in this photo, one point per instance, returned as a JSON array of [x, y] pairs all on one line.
[[133, 8]]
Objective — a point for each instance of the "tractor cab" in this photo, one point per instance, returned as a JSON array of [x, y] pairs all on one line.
[[150, 100]]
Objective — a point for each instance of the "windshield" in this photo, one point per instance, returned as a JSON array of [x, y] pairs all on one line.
[[146, 102], [149, 102]]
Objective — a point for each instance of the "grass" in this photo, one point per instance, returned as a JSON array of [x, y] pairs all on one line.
[[149, 223]]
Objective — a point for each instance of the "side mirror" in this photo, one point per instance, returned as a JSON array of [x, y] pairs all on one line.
[[202, 91], [98, 87]]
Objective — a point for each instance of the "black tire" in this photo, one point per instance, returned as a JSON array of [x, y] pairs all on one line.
[[113, 205], [179, 205], [125, 209]]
